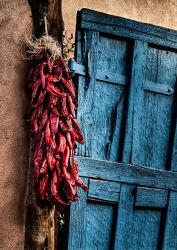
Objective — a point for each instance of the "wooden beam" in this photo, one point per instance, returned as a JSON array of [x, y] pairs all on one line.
[[55, 19], [52, 9], [121, 27], [120, 79], [127, 173], [40, 223], [40, 228]]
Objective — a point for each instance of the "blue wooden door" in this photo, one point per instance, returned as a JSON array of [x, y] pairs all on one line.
[[127, 96]]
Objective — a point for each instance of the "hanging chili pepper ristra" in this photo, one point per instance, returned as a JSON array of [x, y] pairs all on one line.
[[53, 124]]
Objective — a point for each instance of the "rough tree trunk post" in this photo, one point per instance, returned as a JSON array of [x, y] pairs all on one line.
[[40, 225]]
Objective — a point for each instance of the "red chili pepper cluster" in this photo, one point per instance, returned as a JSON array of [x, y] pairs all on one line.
[[55, 130]]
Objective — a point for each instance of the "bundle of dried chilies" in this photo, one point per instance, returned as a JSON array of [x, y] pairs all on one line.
[[54, 128]]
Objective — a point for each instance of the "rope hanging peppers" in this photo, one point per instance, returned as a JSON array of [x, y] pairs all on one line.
[[54, 129]]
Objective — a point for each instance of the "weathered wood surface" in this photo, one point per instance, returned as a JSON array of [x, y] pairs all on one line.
[[127, 110], [77, 226], [134, 116], [104, 190], [170, 241], [121, 27], [100, 113], [127, 173], [40, 228], [40, 224], [151, 197], [116, 78], [100, 227], [52, 10], [158, 111], [125, 212]]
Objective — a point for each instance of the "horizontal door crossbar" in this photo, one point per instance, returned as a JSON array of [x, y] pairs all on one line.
[[119, 79], [151, 197], [127, 173], [122, 27], [104, 190]]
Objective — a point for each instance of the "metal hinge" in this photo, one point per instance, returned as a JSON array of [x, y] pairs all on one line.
[[76, 68]]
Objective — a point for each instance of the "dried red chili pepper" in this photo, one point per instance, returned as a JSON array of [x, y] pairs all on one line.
[[35, 87], [50, 159], [77, 129], [54, 183], [43, 120], [54, 120], [53, 142], [49, 64], [47, 133], [74, 173], [43, 169], [63, 110], [55, 130], [40, 99], [68, 86], [62, 143], [41, 73], [69, 142], [54, 90], [71, 106]]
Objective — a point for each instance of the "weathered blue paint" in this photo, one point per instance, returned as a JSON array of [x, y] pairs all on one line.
[[151, 197], [127, 109], [104, 190], [127, 173], [116, 78], [122, 27]]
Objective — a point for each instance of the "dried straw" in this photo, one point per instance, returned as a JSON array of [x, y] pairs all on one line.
[[46, 42]]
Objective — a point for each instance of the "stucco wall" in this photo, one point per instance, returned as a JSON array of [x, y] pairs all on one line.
[[14, 22], [157, 12]]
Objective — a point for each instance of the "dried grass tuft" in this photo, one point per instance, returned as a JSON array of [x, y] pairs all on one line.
[[46, 42]]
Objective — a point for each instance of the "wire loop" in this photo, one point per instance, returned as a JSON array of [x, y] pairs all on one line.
[[46, 25]]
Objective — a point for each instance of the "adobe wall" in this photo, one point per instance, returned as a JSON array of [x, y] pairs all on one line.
[[14, 22], [157, 12]]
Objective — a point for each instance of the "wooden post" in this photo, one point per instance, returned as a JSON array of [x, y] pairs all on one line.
[[52, 9], [40, 228], [40, 224]]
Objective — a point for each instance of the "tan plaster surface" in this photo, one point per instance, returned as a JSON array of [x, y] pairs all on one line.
[[14, 22], [157, 12]]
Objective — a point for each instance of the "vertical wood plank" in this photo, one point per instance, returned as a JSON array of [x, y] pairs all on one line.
[[146, 227], [174, 153], [131, 152], [40, 228], [77, 224], [86, 88], [159, 110], [170, 239], [124, 219], [100, 219], [78, 46], [101, 104]]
